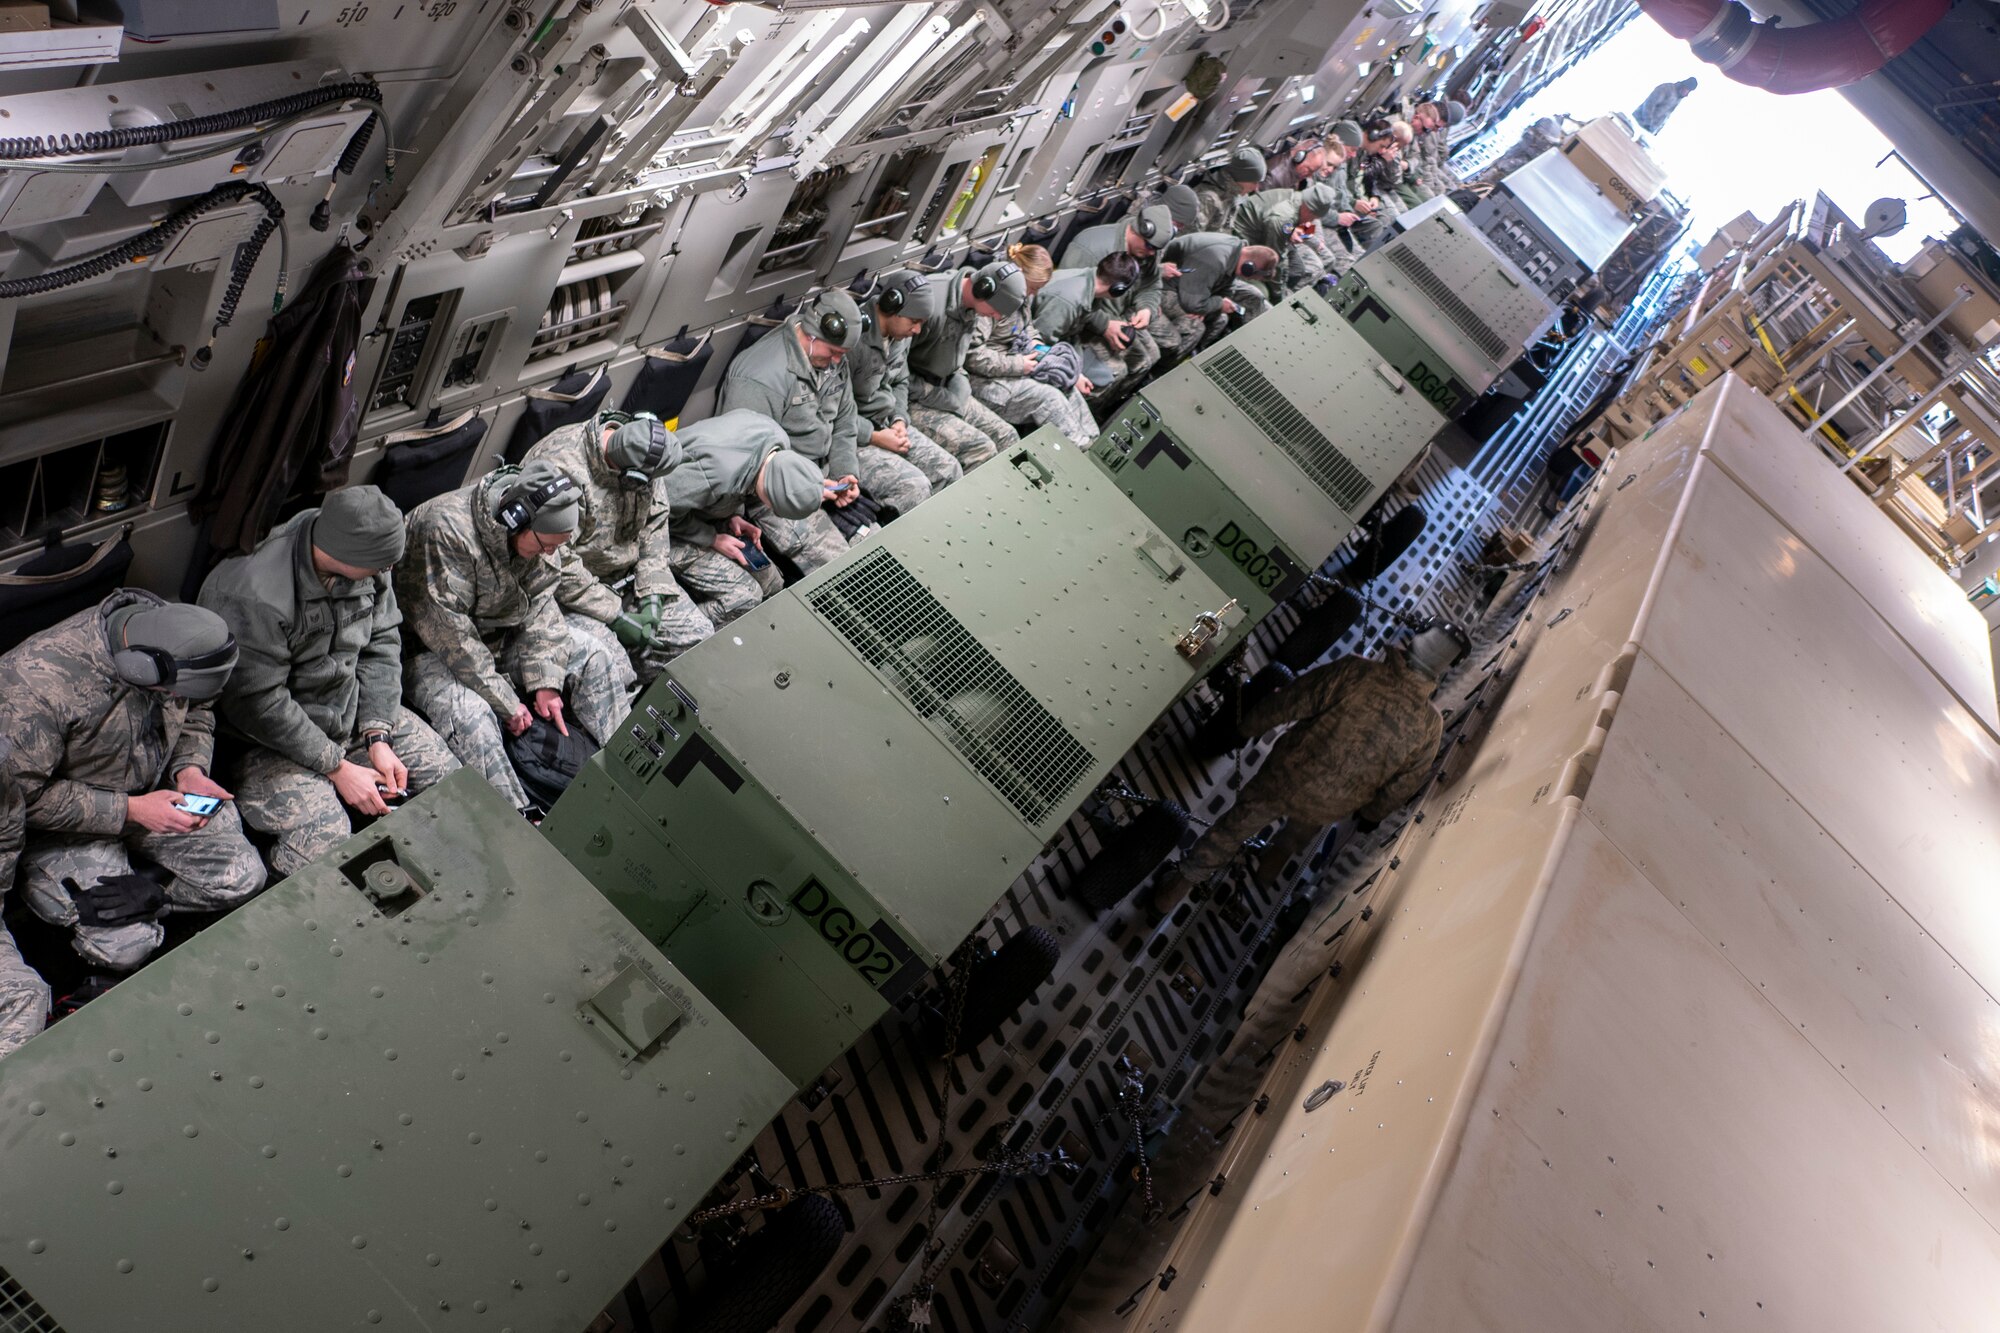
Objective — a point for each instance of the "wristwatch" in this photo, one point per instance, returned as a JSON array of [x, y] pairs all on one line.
[[375, 737]]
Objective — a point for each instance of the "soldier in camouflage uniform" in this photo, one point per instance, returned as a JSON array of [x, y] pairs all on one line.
[[1000, 363], [478, 586], [1535, 140], [796, 375], [1352, 194], [24, 996], [1065, 308], [1286, 222], [1220, 190], [1432, 149], [318, 685], [619, 465], [1661, 103], [729, 463], [941, 400], [1201, 272], [1296, 163], [1127, 329], [1364, 736], [109, 712], [900, 465]]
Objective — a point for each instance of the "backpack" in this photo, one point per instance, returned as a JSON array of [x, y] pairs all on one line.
[[547, 761]]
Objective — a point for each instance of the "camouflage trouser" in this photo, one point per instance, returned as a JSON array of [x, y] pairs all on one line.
[[1141, 354], [24, 997], [1305, 264], [682, 626], [1026, 402], [300, 808], [891, 479], [1274, 793], [1169, 337], [972, 434], [1251, 298], [724, 588], [932, 459], [213, 868], [808, 542], [471, 730], [624, 677], [1192, 331]]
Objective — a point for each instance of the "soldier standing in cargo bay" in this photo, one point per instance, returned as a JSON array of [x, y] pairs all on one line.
[[1364, 736]]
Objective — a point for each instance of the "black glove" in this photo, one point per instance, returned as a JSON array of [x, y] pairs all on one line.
[[117, 900]]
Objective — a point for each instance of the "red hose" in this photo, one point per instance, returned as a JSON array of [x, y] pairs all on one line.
[[1798, 60], [1681, 18]]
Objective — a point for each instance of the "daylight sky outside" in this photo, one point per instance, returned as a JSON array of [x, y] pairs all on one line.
[[1729, 148]]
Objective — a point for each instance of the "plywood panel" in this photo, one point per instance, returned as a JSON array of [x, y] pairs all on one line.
[[1757, 445], [1781, 652], [1656, 1147], [1797, 918]]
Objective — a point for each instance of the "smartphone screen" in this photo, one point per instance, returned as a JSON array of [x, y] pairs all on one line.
[[754, 558], [202, 806]]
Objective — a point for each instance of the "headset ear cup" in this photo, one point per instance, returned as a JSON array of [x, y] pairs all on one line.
[[145, 667], [983, 287]]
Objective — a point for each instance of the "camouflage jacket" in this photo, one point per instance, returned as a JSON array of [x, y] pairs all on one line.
[[1433, 149], [991, 355], [1659, 104], [879, 370], [815, 407], [1216, 193], [1207, 261], [318, 662], [1381, 174], [1365, 737], [84, 740], [469, 597], [13, 819], [624, 528], [1089, 246]]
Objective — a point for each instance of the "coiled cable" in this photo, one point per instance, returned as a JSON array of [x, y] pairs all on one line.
[[136, 248], [25, 148], [155, 238]]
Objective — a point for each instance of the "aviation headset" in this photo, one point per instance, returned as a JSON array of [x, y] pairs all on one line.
[[985, 284], [824, 323], [519, 512], [1117, 287], [895, 294], [656, 453], [1302, 149], [157, 668], [1147, 231]]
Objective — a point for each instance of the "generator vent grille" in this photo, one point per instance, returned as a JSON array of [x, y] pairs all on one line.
[[1436, 290], [949, 678], [20, 1312], [1287, 427]]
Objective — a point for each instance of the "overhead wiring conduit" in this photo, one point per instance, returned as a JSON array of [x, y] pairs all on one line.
[[1803, 59]]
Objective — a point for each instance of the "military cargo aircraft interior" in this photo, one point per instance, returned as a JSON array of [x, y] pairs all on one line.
[[982, 666]]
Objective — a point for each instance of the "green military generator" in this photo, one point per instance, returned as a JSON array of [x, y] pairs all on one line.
[[815, 806], [433, 1076], [1259, 456]]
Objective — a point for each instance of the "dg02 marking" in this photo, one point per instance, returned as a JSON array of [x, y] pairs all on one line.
[[876, 952]]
